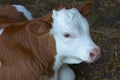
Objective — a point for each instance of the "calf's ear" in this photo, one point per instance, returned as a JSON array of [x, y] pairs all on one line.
[[85, 8], [46, 18], [38, 28]]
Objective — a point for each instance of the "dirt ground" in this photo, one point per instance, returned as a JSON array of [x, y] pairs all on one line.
[[104, 23]]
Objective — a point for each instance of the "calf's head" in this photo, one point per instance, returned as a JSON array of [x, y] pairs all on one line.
[[70, 30], [73, 41]]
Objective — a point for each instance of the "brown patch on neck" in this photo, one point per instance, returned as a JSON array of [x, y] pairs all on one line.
[[35, 53], [51, 54], [45, 53]]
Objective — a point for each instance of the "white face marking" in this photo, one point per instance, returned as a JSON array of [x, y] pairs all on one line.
[[71, 33], [1, 31], [22, 9]]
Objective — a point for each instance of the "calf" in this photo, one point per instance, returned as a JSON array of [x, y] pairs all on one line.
[[39, 49]]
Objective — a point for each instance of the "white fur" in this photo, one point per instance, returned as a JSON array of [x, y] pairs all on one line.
[[74, 49], [66, 73], [1, 31], [22, 9]]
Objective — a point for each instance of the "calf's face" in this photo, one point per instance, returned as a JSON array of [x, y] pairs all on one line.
[[73, 41]]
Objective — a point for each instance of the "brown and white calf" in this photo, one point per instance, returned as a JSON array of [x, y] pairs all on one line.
[[39, 49]]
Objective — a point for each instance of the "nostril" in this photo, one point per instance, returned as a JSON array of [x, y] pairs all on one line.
[[95, 52], [92, 54]]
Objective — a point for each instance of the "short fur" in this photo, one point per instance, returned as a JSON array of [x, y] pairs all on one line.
[[38, 49], [23, 55]]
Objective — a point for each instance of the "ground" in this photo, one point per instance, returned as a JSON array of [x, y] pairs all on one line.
[[104, 23]]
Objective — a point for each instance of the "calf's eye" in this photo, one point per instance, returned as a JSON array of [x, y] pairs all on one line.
[[67, 35]]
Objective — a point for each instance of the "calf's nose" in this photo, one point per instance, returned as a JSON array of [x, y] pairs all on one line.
[[95, 54]]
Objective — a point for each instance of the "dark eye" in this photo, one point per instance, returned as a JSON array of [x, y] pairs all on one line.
[[67, 35]]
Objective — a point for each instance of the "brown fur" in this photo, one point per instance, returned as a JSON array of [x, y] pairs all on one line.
[[25, 55], [27, 50], [9, 15]]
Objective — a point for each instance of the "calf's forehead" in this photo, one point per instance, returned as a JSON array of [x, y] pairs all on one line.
[[65, 15], [69, 20]]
